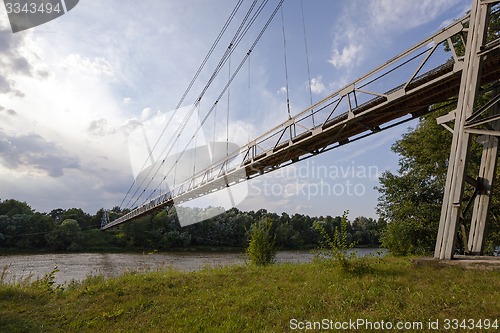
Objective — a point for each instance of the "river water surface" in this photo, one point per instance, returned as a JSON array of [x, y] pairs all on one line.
[[78, 266]]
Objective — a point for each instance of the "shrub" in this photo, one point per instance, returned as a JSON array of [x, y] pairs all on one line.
[[339, 250], [261, 246]]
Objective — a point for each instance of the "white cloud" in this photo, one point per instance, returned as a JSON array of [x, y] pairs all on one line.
[[31, 151], [405, 15], [96, 66], [7, 112], [317, 86], [128, 126], [146, 113], [272, 204], [281, 90], [346, 56], [99, 127], [52, 131], [302, 209], [367, 27], [240, 132], [13, 61]]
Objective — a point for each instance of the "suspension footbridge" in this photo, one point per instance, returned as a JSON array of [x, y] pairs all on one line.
[[453, 66]]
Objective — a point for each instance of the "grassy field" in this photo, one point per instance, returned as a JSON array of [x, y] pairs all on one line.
[[277, 298]]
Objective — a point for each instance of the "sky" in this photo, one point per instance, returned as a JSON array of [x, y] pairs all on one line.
[[74, 90]]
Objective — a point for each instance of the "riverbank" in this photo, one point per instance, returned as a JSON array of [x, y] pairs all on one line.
[[139, 250], [78, 266], [242, 298]]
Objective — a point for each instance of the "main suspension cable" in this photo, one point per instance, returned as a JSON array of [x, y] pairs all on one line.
[[208, 55], [227, 115], [307, 60], [257, 39], [184, 122], [286, 65]]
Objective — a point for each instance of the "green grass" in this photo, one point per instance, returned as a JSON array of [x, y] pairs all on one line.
[[251, 299]]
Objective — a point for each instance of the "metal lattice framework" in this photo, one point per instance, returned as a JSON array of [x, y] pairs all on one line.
[[400, 90], [470, 120]]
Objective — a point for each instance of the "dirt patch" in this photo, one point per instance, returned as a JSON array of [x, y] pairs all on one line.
[[466, 262]]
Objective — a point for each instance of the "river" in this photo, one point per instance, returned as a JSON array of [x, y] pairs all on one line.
[[78, 266]]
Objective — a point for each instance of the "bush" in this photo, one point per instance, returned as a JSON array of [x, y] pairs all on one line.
[[261, 247], [336, 247], [410, 236], [339, 250]]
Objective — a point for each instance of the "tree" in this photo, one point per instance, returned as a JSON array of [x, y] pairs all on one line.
[[57, 215], [80, 216], [11, 207], [66, 237], [366, 231], [411, 199]]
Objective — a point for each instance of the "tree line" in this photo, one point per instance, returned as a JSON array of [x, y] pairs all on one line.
[[24, 229]]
